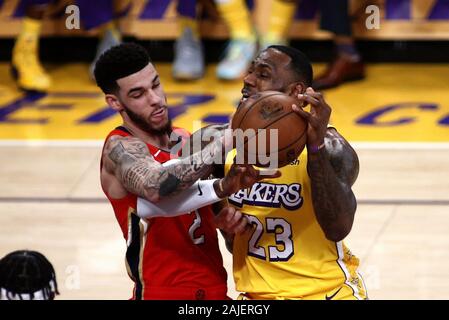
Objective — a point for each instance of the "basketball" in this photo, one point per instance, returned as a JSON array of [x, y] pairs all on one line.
[[271, 110]]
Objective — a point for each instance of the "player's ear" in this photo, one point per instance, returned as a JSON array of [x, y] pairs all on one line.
[[296, 88], [113, 102]]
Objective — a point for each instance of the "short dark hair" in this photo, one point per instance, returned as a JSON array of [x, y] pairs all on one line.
[[300, 64], [118, 62], [24, 273]]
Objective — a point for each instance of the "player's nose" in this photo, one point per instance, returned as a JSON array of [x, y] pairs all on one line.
[[249, 80], [154, 99]]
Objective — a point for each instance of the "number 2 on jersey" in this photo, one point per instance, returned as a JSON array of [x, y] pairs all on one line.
[[195, 225], [283, 238]]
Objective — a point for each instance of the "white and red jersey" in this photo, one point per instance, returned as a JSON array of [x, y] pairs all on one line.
[[170, 257]]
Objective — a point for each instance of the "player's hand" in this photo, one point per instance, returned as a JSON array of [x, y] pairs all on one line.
[[242, 176], [231, 221], [317, 118]]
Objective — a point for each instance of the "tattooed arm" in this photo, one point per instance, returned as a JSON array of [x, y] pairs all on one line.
[[130, 162], [129, 166], [332, 169], [201, 138]]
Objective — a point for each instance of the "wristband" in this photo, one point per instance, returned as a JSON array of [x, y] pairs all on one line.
[[315, 149], [199, 195]]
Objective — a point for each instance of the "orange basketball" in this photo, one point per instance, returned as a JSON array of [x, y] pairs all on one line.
[[270, 110]]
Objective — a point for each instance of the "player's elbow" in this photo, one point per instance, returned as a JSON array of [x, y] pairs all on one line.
[[340, 228], [337, 234], [152, 196]]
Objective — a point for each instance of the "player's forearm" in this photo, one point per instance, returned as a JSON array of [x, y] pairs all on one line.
[[144, 179], [333, 200], [201, 138], [199, 195], [199, 165]]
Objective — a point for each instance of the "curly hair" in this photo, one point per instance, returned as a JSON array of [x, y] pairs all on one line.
[[118, 62], [26, 274]]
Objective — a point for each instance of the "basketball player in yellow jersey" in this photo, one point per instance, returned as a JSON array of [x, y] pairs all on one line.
[[294, 248]]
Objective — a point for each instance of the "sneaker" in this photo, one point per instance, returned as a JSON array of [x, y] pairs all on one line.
[[26, 67], [189, 57], [110, 38], [238, 57]]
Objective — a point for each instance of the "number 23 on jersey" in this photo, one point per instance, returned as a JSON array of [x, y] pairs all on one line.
[[281, 231]]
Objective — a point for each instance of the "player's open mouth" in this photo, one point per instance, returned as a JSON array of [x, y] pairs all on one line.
[[245, 95]]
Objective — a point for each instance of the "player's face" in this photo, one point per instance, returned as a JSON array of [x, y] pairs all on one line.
[[144, 101], [269, 71]]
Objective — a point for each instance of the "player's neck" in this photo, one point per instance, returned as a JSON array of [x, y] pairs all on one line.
[[160, 141]]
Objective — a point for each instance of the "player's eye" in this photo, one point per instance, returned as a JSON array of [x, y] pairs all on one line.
[[157, 84]]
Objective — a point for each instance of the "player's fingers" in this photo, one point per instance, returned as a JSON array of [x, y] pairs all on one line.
[[241, 168], [250, 171], [308, 98], [236, 169], [310, 90], [253, 171], [234, 222], [242, 225], [315, 94], [227, 213], [277, 174], [306, 115]]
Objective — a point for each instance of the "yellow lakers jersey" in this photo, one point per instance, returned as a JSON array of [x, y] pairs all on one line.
[[286, 254]]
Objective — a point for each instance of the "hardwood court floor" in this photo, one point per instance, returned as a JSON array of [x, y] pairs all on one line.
[[50, 197], [51, 201]]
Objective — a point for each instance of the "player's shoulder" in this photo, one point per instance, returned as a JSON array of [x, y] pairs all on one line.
[[334, 139], [331, 130], [125, 141], [119, 148], [116, 134]]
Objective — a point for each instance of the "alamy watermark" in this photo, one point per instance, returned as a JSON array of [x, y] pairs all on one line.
[[253, 146], [73, 20], [373, 20]]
